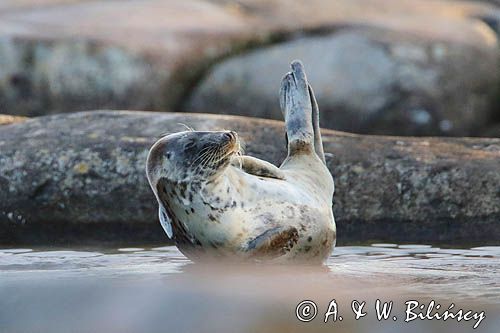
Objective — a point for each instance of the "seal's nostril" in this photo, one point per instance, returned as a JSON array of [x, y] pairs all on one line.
[[228, 135]]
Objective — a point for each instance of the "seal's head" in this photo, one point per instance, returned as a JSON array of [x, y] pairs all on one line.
[[191, 156], [177, 166]]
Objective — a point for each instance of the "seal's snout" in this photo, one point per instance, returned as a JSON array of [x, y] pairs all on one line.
[[230, 136], [231, 142]]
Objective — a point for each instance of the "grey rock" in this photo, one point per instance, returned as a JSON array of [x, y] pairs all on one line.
[[80, 178], [366, 81], [62, 56], [42, 77]]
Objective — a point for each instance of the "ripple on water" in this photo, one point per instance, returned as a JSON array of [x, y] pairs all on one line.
[[15, 250], [414, 246], [61, 254], [416, 267], [130, 249], [389, 245], [491, 250], [164, 248]]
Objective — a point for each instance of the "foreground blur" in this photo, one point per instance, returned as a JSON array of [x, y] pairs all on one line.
[[158, 290]]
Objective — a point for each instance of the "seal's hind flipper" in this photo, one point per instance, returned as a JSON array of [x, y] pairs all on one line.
[[165, 220], [273, 243], [318, 143], [296, 106], [257, 167]]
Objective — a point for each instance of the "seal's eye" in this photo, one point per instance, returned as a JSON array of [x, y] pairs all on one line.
[[168, 155]]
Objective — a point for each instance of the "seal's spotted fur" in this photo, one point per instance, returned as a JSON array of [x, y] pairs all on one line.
[[215, 203]]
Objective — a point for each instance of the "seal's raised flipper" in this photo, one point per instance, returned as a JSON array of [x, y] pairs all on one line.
[[318, 143], [257, 167], [296, 106], [274, 242]]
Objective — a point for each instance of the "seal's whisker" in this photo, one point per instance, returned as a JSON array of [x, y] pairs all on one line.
[[242, 145], [209, 156], [203, 152], [206, 161], [188, 128], [164, 134], [240, 160], [203, 158], [200, 157], [217, 156]]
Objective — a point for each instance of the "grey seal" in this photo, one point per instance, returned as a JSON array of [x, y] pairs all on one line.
[[214, 202]]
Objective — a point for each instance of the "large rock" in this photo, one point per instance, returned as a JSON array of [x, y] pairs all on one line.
[[366, 81], [432, 69], [62, 56], [81, 177]]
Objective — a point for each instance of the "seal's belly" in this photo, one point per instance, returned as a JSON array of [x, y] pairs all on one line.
[[231, 232], [251, 217]]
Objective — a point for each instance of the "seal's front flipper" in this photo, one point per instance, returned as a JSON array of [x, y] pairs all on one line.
[[318, 143], [296, 106], [273, 243], [165, 220], [257, 167]]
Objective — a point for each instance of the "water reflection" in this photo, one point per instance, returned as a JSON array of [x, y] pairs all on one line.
[[158, 289]]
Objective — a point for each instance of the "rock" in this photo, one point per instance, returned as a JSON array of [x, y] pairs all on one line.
[[491, 131], [77, 55], [6, 119], [46, 77], [67, 55], [366, 81], [80, 178]]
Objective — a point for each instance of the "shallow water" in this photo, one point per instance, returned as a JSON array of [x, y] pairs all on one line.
[[159, 290]]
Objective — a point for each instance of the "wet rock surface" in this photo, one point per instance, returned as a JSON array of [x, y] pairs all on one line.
[[81, 178], [380, 63]]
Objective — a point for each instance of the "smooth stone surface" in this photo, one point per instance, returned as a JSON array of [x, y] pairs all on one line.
[[81, 178], [62, 56], [429, 66], [366, 81]]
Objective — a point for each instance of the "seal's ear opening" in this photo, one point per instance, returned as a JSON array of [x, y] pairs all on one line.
[[165, 220]]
